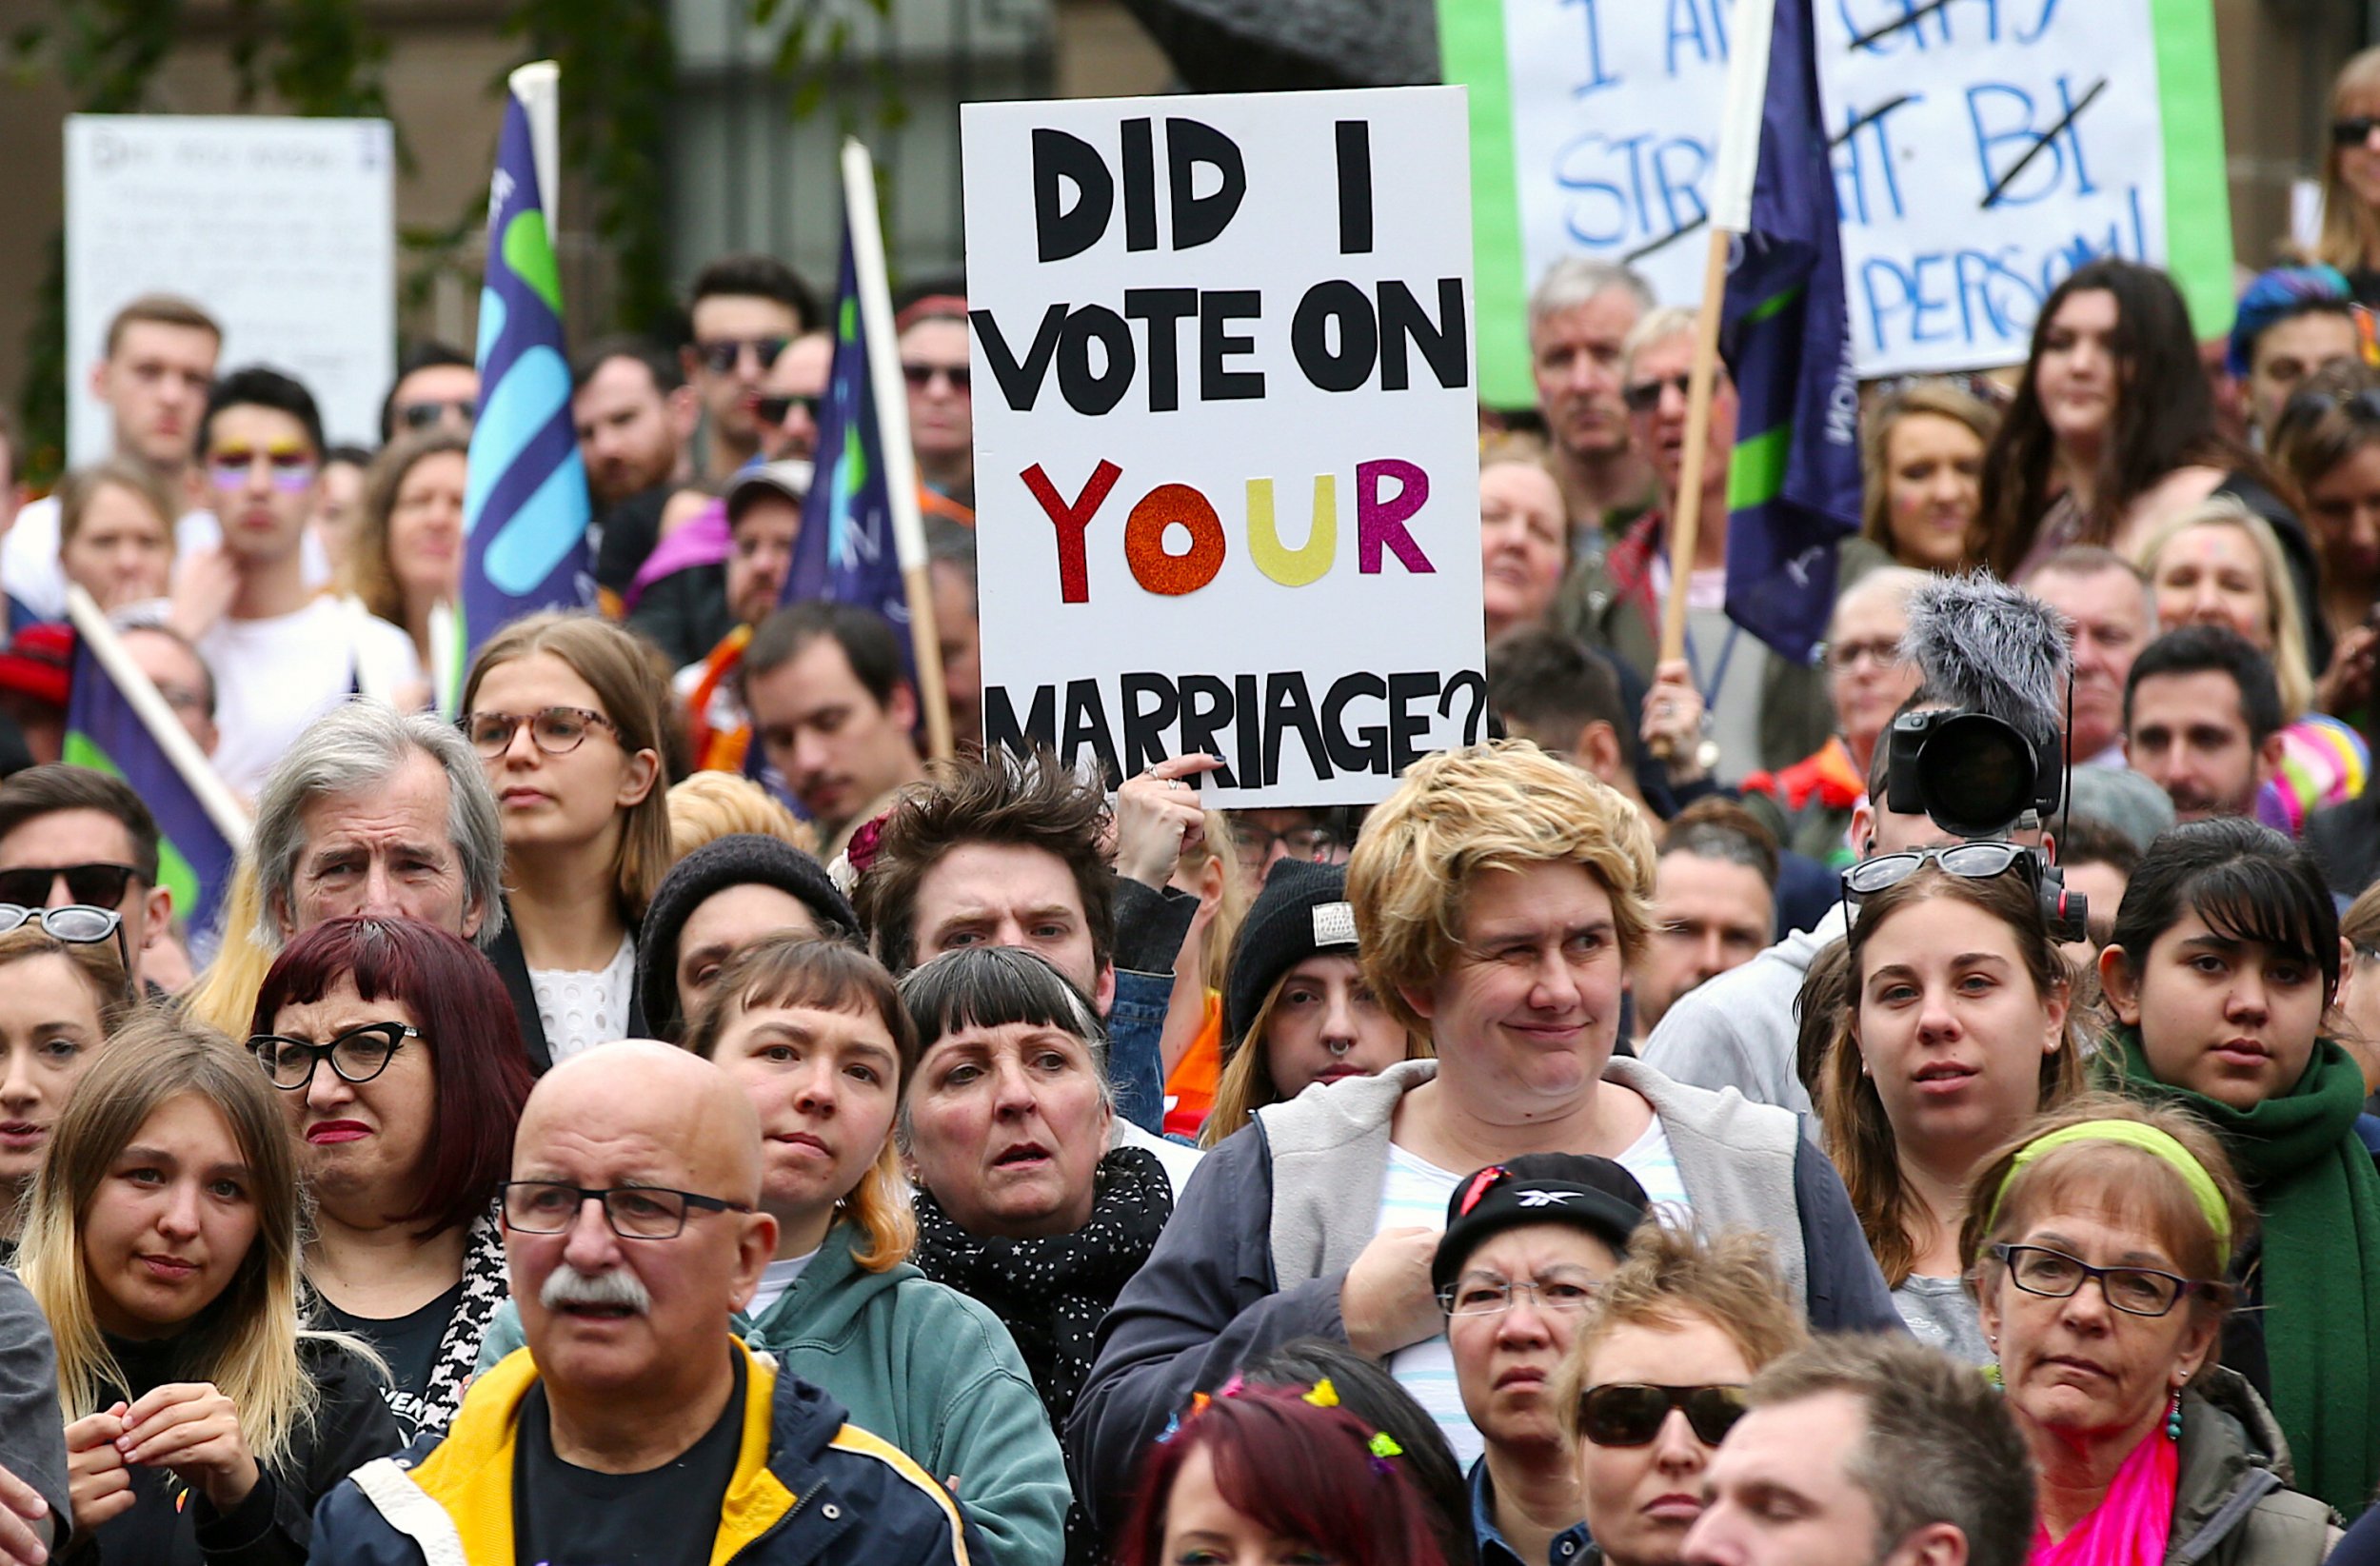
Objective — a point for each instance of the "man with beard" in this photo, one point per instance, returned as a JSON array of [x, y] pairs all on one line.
[[1714, 903], [635, 415], [2202, 721]]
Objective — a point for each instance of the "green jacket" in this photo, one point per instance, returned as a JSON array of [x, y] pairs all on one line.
[[926, 1368], [2232, 1504]]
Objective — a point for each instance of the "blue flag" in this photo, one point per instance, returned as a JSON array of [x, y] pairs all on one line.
[[525, 506], [1793, 487], [105, 734]]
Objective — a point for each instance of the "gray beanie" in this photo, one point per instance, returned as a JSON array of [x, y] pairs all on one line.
[[2124, 799], [741, 858]]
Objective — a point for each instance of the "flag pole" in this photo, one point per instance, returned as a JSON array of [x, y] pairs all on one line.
[[538, 85], [91, 624], [892, 423], [1732, 173]]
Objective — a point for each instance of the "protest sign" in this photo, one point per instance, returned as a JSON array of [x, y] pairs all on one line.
[[1982, 150], [283, 229], [1225, 433]]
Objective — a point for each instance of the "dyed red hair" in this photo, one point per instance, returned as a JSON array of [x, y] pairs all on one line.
[[458, 999], [1302, 1471]]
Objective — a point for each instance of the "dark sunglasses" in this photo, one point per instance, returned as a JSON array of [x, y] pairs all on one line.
[[2308, 404], [773, 409], [2354, 131], [1971, 861], [1645, 396], [76, 924], [1630, 1413], [99, 885], [922, 376], [423, 415], [721, 356]]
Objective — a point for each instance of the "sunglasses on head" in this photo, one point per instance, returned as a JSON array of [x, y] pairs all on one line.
[[1630, 1413], [1971, 861], [2353, 131], [98, 885], [773, 409], [721, 355], [75, 924]]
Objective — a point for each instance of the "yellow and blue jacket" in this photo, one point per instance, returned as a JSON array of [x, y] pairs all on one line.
[[810, 1489]]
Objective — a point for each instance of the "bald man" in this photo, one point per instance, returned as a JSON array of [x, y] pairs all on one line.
[[631, 1229]]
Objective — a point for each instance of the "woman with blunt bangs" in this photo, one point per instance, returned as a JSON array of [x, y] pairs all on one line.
[[2098, 1240], [1955, 1036], [203, 1422], [2224, 960], [567, 715], [1498, 896], [60, 1003], [401, 1081], [1277, 1475]]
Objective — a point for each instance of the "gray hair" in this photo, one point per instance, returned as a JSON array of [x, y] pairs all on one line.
[[357, 746], [995, 986], [2087, 560], [1574, 280], [1894, 582]]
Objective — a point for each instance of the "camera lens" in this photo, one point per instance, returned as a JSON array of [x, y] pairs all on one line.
[[1977, 775]]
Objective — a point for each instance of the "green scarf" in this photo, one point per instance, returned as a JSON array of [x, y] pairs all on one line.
[[2317, 1200]]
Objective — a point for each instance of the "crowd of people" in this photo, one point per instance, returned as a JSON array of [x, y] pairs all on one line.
[[1666, 1133]]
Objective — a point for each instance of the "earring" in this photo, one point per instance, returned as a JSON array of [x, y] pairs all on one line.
[[2174, 1417]]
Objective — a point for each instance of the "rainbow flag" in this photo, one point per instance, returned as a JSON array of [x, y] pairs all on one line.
[[525, 506]]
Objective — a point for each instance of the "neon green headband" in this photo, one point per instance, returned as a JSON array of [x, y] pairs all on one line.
[[2129, 1134]]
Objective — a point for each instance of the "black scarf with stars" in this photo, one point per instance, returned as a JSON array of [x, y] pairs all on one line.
[[1051, 1293]]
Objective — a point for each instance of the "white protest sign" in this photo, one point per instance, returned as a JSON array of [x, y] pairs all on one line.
[[1982, 149], [1226, 436], [283, 229]]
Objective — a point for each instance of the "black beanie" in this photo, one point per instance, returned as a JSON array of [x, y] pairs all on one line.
[[740, 858], [1578, 1189], [1303, 910]]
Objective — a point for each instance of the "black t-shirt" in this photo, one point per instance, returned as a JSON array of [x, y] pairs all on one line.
[[569, 1516], [630, 529], [410, 1343]]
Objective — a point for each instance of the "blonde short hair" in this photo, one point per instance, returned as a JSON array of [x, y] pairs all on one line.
[[1502, 805], [705, 806]]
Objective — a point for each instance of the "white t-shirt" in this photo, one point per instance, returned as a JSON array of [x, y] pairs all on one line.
[[30, 567], [580, 1009], [275, 676], [1416, 1195], [775, 1279]]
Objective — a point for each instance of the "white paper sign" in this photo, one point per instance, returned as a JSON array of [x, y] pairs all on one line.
[[1226, 434], [283, 229], [1949, 244]]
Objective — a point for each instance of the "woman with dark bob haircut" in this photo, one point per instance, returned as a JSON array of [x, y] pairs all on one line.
[[2225, 956], [401, 1078]]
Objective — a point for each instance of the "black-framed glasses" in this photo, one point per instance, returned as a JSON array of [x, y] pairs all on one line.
[[1645, 396], [922, 376], [557, 731], [75, 923], [773, 409], [356, 1056], [634, 1212], [1630, 1413], [1971, 861], [99, 883], [1314, 844], [1562, 1290], [720, 355], [2054, 1274], [428, 414], [2352, 132]]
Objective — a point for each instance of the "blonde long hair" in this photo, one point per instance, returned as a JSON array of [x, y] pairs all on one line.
[[2293, 668], [246, 1341], [223, 996], [2350, 230]]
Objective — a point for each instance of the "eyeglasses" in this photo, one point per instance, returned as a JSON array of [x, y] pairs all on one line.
[[634, 1212], [1885, 651], [75, 923], [291, 469], [557, 731], [1315, 843], [99, 885], [1645, 396], [2353, 131], [1630, 1413], [356, 1056], [424, 414], [773, 409], [2054, 1274], [1969, 860], [922, 376], [1563, 1291], [720, 355]]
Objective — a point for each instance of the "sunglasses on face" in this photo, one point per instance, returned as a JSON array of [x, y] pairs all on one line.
[[1630, 1413], [2352, 132], [773, 409], [423, 415], [922, 376], [291, 469], [98, 885], [721, 356], [1969, 860], [1645, 396]]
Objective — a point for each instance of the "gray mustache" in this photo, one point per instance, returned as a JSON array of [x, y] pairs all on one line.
[[618, 1288]]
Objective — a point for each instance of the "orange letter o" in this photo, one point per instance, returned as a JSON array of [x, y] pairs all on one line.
[[1145, 541]]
